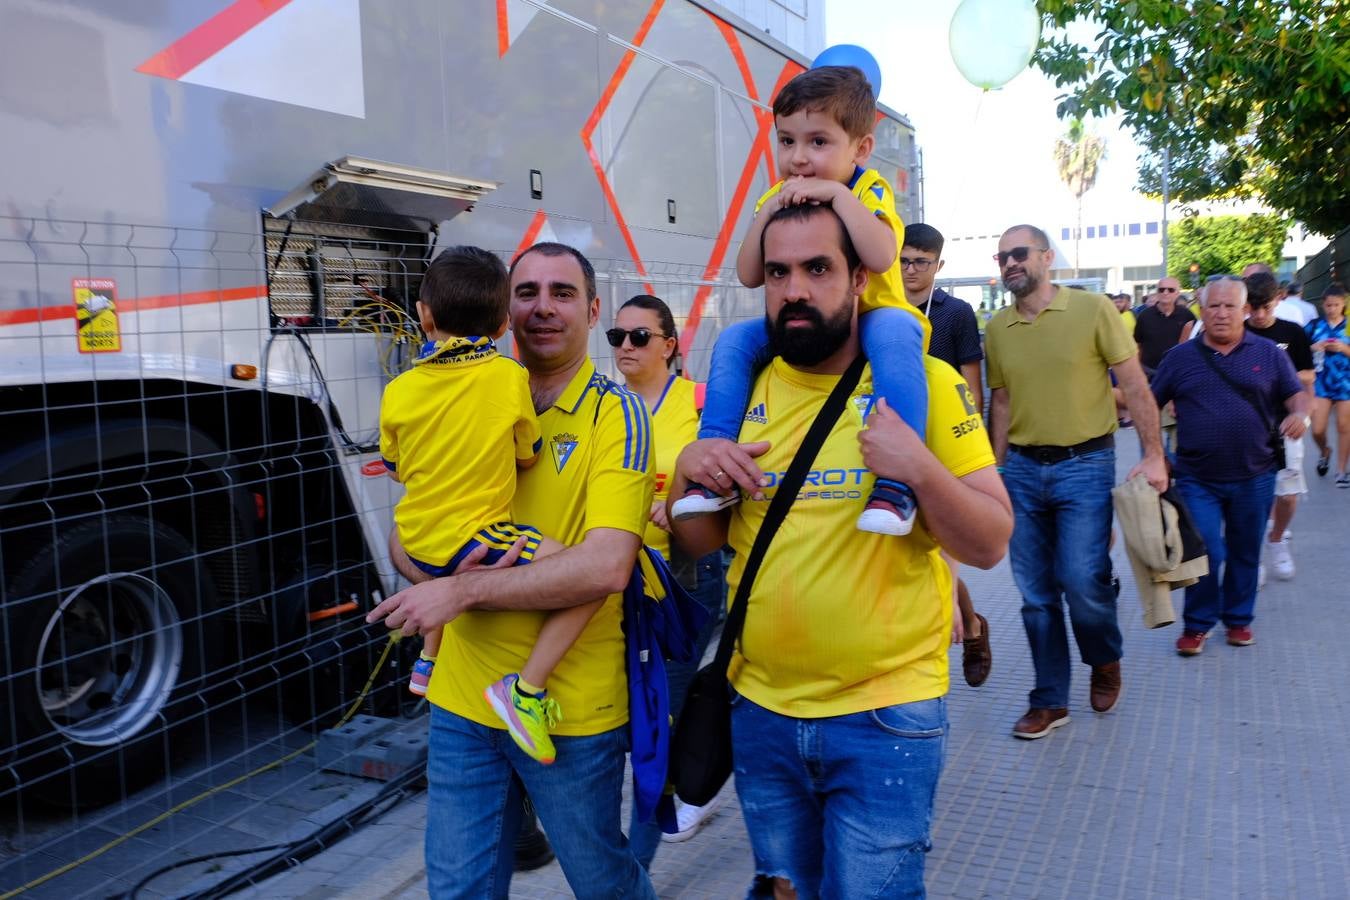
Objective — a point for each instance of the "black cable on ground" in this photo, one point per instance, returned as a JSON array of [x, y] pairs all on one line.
[[285, 855]]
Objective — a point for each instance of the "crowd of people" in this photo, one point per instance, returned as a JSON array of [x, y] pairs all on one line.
[[532, 489]]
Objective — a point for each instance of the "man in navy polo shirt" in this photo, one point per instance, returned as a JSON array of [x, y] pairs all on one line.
[[1230, 389]]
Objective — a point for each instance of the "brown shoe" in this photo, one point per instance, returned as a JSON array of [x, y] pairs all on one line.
[[976, 657], [1105, 686], [1037, 723]]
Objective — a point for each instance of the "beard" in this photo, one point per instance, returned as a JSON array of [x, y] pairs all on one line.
[[1021, 283], [808, 345]]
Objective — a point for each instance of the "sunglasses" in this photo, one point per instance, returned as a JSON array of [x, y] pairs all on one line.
[[918, 265], [1163, 290], [640, 337], [1018, 254]]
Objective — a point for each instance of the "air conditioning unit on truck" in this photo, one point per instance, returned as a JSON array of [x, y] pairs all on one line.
[[215, 218]]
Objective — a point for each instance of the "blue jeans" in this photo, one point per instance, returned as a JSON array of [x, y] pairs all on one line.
[[474, 811], [1231, 517], [840, 806], [645, 837], [892, 339], [1060, 552]]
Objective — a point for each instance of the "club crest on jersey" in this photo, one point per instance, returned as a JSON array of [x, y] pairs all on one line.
[[864, 404], [561, 446], [758, 414]]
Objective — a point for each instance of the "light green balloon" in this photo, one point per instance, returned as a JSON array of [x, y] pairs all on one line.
[[992, 40]]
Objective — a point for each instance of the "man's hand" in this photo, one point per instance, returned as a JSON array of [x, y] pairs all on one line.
[[724, 466], [659, 517], [1293, 426], [890, 448], [425, 607], [1154, 468], [798, 190]]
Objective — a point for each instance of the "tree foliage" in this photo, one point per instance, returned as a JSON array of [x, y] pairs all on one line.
[[1077, 157], [1223, 245], [1251, 97]]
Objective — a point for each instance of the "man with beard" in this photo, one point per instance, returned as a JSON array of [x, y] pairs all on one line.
[[842, 665], [1052, 416]]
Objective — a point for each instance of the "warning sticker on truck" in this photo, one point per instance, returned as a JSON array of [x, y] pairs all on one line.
[[96, 315]]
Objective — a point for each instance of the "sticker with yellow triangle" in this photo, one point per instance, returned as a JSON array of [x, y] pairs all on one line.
[[561, 447]]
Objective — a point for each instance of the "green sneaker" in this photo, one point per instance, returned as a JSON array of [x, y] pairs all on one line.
[[528, 719]]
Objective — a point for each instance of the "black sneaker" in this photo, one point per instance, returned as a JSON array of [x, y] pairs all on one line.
[[1323, 465]]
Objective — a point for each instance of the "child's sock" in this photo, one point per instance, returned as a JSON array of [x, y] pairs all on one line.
[[428, 657], [529, 690]]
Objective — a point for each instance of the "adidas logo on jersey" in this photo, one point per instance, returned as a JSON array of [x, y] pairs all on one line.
[[758, 414]]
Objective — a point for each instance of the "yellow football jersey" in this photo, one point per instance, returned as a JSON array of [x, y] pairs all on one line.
[[840, 620], [452, 428], [595, 472], [674, 426]]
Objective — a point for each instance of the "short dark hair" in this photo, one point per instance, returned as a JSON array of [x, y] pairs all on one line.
[[1335, 289], [1261, 289], [553, 249], [805, 212], [841, 92], [924, 237], [467, 291], [1036, 233]]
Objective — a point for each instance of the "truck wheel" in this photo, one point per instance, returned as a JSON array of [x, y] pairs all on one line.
[[106, 625]]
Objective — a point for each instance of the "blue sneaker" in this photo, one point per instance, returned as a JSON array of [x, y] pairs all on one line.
[[891, 509], [421, 676]]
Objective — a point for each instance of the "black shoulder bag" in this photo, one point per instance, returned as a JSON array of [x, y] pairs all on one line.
[[1274, 439], [700, 749]]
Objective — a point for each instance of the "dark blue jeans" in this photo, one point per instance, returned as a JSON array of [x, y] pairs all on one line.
[[840, 806], [474, 811], [1231, 517], [711, 592], [1059, 552]]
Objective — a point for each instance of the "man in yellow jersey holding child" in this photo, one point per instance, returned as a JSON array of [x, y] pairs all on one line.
[[838, 717], [591, 490]]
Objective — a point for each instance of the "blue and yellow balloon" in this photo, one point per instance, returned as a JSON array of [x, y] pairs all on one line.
[[852, 55], [992, 40]]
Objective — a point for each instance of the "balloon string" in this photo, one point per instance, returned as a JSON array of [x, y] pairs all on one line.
[[968, 148]]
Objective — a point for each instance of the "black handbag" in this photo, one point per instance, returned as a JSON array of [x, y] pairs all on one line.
[[700, 749], [1274, 439]]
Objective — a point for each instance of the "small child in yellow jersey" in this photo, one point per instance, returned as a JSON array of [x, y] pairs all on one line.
[[453, 431], [824, 118]]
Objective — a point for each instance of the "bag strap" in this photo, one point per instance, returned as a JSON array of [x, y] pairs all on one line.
[[788, 488], [1242, 391]]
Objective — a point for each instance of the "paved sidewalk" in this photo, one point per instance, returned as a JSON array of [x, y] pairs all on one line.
[[1219, 776]]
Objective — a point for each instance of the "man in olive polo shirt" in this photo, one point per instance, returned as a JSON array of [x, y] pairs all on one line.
[[1052, 418]]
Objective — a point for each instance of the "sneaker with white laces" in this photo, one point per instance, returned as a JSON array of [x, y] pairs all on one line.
[[689, 819], [1343, 480], [699, 501], [1281, 562]]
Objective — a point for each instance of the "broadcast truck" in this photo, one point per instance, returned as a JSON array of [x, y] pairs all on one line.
[[214, 217]]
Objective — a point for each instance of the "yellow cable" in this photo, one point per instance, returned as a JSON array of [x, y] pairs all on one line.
[[394, 638]]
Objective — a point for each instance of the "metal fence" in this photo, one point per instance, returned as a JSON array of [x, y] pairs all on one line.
[[1332, 264], [192, 529]]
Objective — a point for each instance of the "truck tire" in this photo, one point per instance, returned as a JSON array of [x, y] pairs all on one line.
[[106, 628]]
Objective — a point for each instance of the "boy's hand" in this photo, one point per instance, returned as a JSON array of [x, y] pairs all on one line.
[[798, 190], [659, 517], [724, 466]]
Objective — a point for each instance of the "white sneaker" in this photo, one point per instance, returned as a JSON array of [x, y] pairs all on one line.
[[699, 501], [691, 818], [1281, 562]]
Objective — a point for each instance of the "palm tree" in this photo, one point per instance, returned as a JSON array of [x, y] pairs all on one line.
[[1077, 155]]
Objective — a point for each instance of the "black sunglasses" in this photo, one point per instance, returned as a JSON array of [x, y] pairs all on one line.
[[639, 336], [1019, 254], [1163, 290]]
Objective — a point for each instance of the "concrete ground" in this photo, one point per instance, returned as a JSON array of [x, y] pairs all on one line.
[[1218, 776]]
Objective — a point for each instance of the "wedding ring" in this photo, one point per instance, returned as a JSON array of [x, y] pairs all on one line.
[[719, 475]]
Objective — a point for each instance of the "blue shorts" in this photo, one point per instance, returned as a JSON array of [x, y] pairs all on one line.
[[497, 538]]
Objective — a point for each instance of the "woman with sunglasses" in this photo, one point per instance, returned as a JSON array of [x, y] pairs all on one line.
[[645, 346], [1332, 385]]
